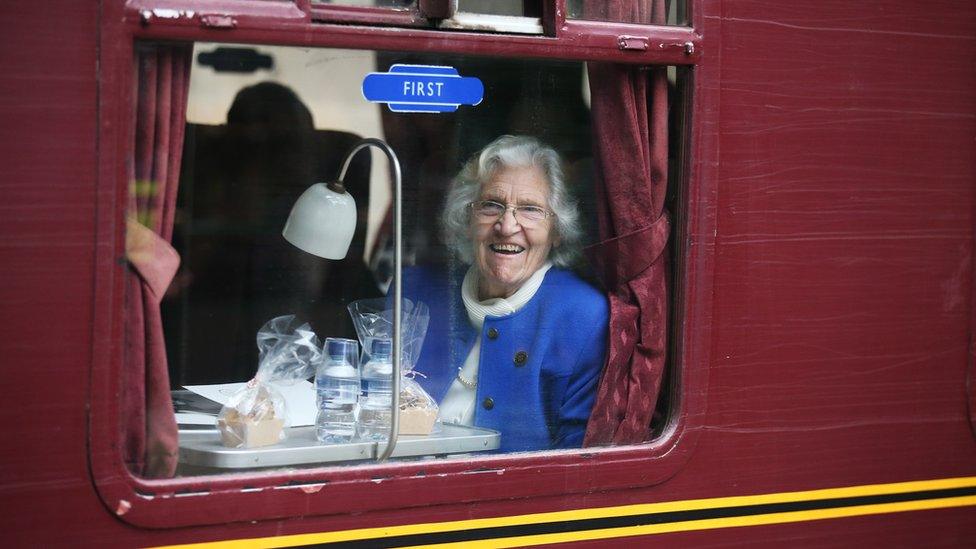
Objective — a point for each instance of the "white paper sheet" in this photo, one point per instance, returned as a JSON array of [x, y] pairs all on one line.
[[190, 418], [299, 401]]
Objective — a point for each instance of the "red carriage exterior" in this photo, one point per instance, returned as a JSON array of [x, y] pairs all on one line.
[[824, 307]]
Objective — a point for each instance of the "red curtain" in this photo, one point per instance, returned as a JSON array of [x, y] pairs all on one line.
[[630, 128], [149, 426]]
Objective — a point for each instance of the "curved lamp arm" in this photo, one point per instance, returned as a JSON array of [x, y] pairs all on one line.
[[397, 271]]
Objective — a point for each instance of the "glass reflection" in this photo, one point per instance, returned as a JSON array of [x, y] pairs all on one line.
[[259, 133]]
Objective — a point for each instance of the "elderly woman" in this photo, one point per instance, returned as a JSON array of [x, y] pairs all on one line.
[[518, 343]]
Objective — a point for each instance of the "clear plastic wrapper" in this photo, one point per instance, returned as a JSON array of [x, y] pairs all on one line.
[[257, 414], [373, 318], [418, 411]]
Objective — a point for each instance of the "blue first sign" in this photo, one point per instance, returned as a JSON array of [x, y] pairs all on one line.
[[422, 88]]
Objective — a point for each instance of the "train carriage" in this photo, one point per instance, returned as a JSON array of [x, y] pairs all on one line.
[[777, 208]]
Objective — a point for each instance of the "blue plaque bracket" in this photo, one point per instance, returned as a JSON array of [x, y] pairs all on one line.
[[422, 88]]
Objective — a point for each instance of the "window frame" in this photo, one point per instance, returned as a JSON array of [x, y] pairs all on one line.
[[278, 494]]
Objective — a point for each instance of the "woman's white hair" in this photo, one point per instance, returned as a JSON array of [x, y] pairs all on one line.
[[511, 151]]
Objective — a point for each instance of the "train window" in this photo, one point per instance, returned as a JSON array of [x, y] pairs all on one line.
[[370, 3], [502, 7], [492, 7], [672, 12], [508, 318], [505, 269]]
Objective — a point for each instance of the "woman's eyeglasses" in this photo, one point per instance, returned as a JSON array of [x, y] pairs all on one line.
[[490, 211]]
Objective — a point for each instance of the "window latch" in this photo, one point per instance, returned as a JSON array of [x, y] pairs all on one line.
[[638, 43]]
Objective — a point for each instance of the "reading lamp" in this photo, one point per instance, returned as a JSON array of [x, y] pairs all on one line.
[[322, 223]]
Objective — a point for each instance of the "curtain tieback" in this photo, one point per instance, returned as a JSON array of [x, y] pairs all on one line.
[[153, 258], [623, 258]]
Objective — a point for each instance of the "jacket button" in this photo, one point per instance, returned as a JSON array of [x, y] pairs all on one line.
[[488, 403], [492, 333], [521, 358]]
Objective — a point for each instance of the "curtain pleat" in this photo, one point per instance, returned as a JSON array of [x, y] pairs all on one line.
[[630, 117], [150, 443]]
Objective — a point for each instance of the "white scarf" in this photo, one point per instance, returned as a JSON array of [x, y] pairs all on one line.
[[458, 405]]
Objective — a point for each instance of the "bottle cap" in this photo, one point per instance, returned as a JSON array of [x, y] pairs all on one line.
[[381, 347], [339, 348]]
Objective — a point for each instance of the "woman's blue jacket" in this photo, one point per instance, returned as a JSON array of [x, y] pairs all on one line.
[[538, 368]]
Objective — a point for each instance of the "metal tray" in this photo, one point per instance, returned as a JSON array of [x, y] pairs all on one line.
[[203, 448]]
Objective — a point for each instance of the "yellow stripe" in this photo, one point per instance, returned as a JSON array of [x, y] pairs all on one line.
[[640, 509]]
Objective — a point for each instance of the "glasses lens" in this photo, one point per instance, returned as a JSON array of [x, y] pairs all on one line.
[[531, 214], [488, 208]]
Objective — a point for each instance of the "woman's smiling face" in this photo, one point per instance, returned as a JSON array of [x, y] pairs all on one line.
[[507, 253]]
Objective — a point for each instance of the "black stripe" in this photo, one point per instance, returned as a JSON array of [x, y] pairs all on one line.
[[582, 525]]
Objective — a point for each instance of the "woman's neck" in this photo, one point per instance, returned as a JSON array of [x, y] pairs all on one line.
[[479, 307], [486, 291]]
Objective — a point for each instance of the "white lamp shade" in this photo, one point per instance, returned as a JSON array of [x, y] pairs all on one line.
[[322, 222]]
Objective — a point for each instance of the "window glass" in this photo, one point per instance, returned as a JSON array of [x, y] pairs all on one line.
[[488, 7], [370, 3], [503, 16], [506, 321], [501, 7], [638, 12]]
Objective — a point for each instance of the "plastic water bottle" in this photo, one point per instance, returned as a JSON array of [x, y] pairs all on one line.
[[337, 391], [377, 395]]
